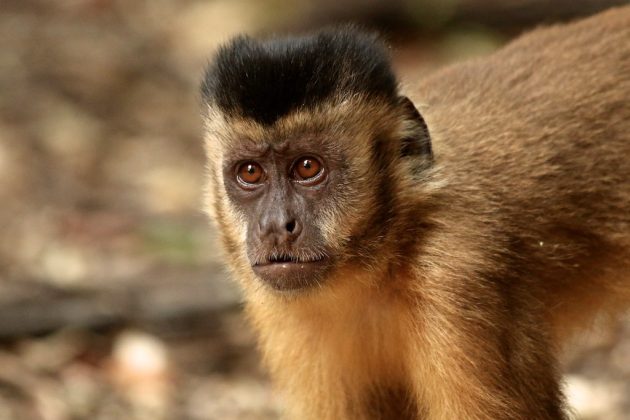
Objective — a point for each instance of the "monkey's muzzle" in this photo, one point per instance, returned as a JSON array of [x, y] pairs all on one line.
[[288, 272]]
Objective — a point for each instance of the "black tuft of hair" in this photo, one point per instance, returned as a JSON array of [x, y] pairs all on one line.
[[266, 79]]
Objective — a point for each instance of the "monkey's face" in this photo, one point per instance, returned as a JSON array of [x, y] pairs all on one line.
[[299, 200], [309, 149], [283, 190], [296, 190]]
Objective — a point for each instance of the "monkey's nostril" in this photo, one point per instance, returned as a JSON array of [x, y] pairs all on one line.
[[290, 226]]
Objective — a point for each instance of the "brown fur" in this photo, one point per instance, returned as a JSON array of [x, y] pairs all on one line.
[[454, 306]]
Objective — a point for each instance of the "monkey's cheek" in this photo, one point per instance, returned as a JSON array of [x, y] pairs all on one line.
[[292, 276]]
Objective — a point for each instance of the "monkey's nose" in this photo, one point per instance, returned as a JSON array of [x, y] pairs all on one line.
[[290, 226], [279, 230]]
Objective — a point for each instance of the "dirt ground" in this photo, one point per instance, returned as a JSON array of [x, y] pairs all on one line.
[[113, 300]]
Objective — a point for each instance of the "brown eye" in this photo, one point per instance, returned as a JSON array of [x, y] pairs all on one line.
[[250, 173], [306, 168]]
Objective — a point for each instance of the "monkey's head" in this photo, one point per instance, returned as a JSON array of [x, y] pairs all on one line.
[[312, 154]]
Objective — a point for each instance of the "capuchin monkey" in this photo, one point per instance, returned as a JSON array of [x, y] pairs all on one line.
[[426, 254]]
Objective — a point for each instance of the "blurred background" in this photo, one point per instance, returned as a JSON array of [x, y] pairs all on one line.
[[113, 302]]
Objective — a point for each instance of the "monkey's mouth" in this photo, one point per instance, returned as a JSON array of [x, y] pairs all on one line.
[[290, 272], [290, 259]]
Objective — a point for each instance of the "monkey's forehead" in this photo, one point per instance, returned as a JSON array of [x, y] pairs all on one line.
[[267, 79], [332, 123]]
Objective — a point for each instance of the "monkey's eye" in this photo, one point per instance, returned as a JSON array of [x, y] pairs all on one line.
[[307, 169], [249, 173]]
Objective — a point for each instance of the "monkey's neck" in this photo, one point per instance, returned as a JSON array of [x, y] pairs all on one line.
[[351, 337]]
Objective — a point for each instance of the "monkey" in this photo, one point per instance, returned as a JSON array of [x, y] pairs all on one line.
[[426, 254]]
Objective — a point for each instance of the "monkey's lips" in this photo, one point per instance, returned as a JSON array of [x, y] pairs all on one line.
[[291, 273]]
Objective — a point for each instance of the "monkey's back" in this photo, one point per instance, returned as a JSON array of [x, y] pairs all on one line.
[[533, 143]]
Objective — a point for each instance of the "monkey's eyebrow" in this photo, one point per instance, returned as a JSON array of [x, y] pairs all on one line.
[[249, 147], [249, 143]]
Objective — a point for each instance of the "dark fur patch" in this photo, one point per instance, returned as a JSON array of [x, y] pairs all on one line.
[[372, 232], [267, 79], [391, 403]]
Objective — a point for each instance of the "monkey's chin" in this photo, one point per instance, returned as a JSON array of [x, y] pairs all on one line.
[[292, 276]]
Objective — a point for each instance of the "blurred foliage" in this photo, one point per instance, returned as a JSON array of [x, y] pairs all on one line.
[[174, 243]]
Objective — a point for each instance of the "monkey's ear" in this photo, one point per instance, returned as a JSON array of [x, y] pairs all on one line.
[[418, 140]]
